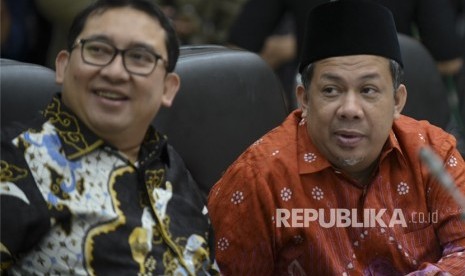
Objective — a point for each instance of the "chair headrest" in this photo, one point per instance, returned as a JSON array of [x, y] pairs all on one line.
[[30, 85], [427, 94]]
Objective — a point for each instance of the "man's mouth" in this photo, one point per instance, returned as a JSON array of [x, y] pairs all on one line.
[[111, 96], [348, 139]]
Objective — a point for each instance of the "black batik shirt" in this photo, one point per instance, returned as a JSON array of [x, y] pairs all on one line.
[[72, 204]]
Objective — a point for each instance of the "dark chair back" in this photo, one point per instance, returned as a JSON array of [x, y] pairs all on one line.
[[25, 90], [427, 94]]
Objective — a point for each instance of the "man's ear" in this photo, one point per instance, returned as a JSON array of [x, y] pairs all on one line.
[[400, 98], [302, 99], [61, 62], [172, 84]]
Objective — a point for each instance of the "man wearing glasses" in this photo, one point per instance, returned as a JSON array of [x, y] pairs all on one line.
[[91, 188]]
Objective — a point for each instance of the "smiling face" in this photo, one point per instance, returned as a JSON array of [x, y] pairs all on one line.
[[116, 105], [350, 108]]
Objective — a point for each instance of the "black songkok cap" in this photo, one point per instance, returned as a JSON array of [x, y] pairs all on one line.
[[349, 27]]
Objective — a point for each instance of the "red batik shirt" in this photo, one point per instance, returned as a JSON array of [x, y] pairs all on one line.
[[282, 209]]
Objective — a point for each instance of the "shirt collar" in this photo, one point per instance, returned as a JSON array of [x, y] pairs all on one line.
[[78, 140], [392, 148], [310, 160]]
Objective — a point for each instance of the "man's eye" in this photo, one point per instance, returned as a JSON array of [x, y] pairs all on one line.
[[329, 90], [141, 56], [98, 49], [368, 90]]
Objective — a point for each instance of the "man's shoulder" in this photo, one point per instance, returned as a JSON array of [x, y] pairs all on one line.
[[276, 146], [412, 133], [408, 126], [13, 129]]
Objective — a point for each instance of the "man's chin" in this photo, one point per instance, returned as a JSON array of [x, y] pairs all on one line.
[[345, 162]]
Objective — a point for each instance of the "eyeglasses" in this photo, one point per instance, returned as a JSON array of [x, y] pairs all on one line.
[[137, 61]]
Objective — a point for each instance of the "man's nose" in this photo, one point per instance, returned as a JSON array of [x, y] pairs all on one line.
[[116, 69], [351, 106]]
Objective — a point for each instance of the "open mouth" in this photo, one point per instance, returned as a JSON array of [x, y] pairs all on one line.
[[111, 96], [348, 139]]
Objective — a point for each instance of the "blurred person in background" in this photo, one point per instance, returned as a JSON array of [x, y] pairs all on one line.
[[195, 21], [24, 32]]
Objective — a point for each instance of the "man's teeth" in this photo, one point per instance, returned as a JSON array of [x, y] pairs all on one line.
[[109, 95]]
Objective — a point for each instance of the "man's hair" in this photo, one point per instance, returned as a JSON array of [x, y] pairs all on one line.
[[100, 6], [397, 74]]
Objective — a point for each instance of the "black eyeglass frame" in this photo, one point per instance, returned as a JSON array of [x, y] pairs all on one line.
[[118, 51]]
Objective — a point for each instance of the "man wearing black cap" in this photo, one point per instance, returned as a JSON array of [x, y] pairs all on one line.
[[340, 187]]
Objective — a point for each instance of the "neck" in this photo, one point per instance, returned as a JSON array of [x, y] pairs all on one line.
[[364, 177], [131, 153], [129, 146]]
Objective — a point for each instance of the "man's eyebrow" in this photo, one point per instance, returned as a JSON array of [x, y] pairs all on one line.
[[335, 77], [132, 45], [98, 37], [142, 45], [145, 46], [370, 76], [330, 77]]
